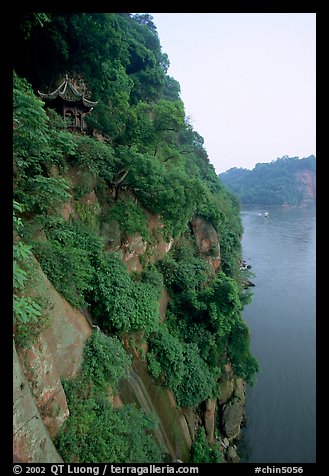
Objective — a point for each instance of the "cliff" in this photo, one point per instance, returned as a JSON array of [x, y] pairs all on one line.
[[40, 404], [288, 181], [127, 282]]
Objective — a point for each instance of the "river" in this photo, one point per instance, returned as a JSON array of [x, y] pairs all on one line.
[[281, 405]]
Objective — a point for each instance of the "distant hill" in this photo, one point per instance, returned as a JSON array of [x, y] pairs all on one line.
[[287, 181]]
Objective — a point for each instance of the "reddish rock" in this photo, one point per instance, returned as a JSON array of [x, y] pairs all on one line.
[[31, 441], [66, 333], [209, 420], [56, 354], [207, 241], [307, 181], [67, 210], [89, 198], [46, 386], [133, 248]]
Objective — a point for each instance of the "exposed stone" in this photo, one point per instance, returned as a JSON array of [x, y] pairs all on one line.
[[57, 353], [46, 385], [31, 441], [231, 419], [246, 283], [207, 241], [54, 171], [117, 402], [89, 198], [68, 210], [134, 247], [307, 185], [134, 265], [66, 334], [209, 419], [172, 432], [232, 456], [240, 390], [226, 386], [190, 418]]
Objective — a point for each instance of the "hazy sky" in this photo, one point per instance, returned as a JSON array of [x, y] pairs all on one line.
[[247, 81]]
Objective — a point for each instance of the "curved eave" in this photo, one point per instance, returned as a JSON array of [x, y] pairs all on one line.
[[88, 103], [67, 92]]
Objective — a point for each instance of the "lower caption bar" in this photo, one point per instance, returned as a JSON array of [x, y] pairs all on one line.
[[177, 468]]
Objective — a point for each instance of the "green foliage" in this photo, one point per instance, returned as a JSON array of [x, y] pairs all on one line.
[[169, 352], [276, 183], [171, 193], [43, 194], [153, 277], [68, 257], [95, 156], [148, 150], [88, 213], [36, 143], [104, 360], [31, 20], [95, 432], [130, 216], [198, 382], [26, 310], [181, 367], [204, 314], [153, 365], [29, 310], [223, 305], [201, 452], [98, 433], [244, 363], [120, 303]]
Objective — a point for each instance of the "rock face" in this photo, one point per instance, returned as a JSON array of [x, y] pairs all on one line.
[[232, 456], [40, 404], [209, 420], [232, 414], [232, 419], [226, 389], [172, 432], [66, 334], [45, 385], [133, 248], [207, 241], [307, 185], [31, 442], [240, 390]]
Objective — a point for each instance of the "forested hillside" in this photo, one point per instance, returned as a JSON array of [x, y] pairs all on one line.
[[138, 178], [285, 181]]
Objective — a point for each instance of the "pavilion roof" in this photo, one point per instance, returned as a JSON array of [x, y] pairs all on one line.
[[69, 93]]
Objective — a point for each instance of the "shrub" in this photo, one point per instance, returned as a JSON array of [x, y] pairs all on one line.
[[68, 258], [88, 214], [104, 360], [130, 216], [95, 432], [244, 363], [30, 311], [43, 194], [197, 383], [120, 303], [201, 452]]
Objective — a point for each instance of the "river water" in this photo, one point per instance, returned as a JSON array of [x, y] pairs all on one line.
[[281, 405]]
